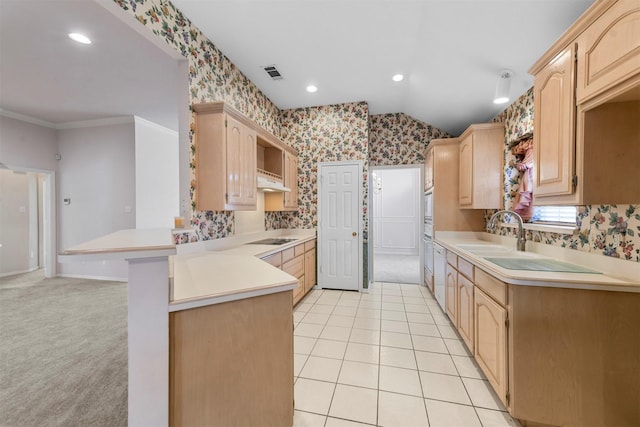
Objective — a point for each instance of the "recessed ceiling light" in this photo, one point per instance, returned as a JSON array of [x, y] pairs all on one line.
[[397, 77], [312, 89], [80, 38]]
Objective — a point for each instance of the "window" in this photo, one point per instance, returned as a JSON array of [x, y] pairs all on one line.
[[564, 215]]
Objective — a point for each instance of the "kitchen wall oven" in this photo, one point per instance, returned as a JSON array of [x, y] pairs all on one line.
[[427, 240]]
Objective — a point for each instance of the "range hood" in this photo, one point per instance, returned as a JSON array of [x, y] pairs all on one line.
[[266, 184]]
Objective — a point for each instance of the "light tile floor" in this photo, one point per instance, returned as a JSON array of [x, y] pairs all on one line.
[[389, 357]]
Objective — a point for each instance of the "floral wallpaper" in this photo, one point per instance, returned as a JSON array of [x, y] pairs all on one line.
[[212, 77], [398, 139], [610, 230], [322, 134]]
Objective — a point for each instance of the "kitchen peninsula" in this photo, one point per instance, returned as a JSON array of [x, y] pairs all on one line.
[[210, 331]]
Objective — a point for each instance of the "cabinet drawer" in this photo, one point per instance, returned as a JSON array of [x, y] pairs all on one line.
[[275, 259], [309, 245], [452, 259], [298, 292], [299, 249], [492, 287], [294, 267], [466, 268], [288, 254]]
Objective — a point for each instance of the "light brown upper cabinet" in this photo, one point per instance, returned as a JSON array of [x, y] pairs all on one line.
[[481, 159], [586, 109], [554, 111], [287, 201], [442, 163], [609, 49], [241, 165], [225, 159]]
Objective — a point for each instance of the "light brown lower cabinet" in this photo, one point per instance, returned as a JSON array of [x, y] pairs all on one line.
[[451, 293], [465, 311], [295, 267], [300, 262], [554, 356], [309, 269], [574, 356], [491, 342], [231, 364]]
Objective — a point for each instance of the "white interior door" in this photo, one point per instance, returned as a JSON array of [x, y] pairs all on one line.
[[339, 225]]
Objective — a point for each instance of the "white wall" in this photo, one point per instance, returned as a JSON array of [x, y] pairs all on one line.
[[156, 175], [27, 145], [97, 174], [396, 212]]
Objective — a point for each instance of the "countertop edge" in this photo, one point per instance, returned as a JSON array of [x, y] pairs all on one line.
[[186, 304], [239, 251], [613, 284]]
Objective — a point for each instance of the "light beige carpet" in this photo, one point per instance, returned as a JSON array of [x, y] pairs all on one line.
[[63, 352]]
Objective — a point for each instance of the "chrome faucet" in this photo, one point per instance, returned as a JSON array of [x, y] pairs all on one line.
[[521, 240]]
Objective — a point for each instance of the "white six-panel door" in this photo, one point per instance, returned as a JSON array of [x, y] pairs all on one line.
[[339, 225]]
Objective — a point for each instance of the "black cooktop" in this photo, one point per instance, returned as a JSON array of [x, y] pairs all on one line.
[[272, 241]]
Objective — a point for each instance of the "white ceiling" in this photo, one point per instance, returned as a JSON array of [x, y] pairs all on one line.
[[46, 76], [450, 51]]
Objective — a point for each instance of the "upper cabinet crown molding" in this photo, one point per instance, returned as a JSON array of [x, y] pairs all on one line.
[[223, 107], [587, 18]]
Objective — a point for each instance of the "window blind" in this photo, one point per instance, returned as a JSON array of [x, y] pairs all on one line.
[[555, 214]]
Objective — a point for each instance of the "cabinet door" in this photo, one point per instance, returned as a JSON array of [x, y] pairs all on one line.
[[609, 50], [249, 159], [554, 122], [428, 170], [241, 165], [465, 311], [491, 341], [466, 171], [299, 292], [309, 269], [291, 181], [451, 298], [235, 152]]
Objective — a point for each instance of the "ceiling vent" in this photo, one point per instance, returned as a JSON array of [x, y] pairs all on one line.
[[273, 72]]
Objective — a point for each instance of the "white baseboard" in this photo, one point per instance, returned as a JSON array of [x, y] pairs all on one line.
[[12, 273], [89, 277]]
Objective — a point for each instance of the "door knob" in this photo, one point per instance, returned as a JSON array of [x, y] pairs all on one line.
[[354, 234]]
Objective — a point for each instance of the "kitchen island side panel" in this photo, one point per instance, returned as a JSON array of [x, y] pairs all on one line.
[[232, 363]]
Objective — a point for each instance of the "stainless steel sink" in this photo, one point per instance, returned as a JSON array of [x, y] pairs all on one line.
[[487, 250], [538, 264], [272, 241]]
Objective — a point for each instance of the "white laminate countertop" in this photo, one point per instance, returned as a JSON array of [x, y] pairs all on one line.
[[616, 275], [125, 244], [229, 269], [213, 278]]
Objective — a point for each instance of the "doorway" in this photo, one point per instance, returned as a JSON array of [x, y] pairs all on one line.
[[26, 212], [340, 225], [396, 223]]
